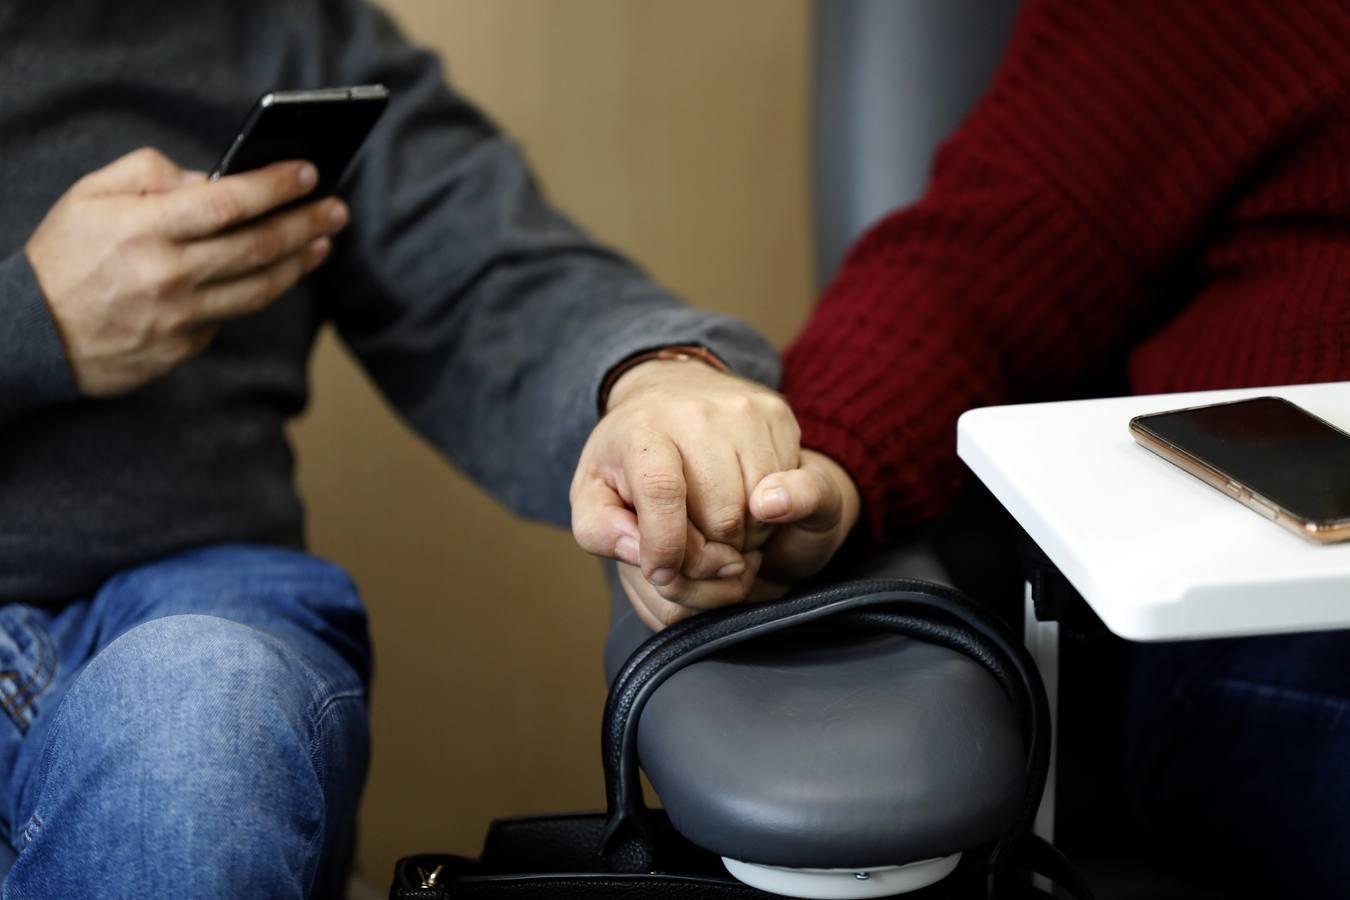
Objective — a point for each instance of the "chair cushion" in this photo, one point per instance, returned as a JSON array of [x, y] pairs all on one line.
[[819, 748]]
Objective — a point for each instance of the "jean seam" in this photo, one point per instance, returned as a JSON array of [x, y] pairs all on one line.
[[315, 764], [317, 718], [42, 773]]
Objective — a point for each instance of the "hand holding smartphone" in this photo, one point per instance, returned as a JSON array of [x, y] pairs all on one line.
[[1268, 454]]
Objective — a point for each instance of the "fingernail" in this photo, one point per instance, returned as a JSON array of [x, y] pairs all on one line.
[[662, 577], [627, 550], [774, 503], [338, 214], [308, 176], [730, 570]]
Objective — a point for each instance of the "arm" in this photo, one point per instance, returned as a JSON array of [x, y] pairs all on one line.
[[33, 369], [1108, 148], [484, 316]]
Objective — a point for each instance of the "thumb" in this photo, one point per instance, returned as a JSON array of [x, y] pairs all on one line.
[[802, 497]]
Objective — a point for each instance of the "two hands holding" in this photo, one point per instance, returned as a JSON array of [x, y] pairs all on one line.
[[694, 480]]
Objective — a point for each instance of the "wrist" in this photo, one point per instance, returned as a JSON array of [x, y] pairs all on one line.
[[642, 368]]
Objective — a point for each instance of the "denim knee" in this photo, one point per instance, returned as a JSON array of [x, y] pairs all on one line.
[[203, 745], [284, 592]]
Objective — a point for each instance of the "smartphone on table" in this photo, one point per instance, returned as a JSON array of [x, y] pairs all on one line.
[[1272, 456], [325, 126]]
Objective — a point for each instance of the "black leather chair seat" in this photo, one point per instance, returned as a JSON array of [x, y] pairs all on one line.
[[830, 750]]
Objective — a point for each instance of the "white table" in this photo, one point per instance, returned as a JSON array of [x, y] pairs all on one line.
[[1154, 551]]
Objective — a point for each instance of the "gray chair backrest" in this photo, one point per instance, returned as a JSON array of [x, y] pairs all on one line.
[[892, 78]]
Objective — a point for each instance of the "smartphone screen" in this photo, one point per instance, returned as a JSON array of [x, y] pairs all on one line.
[[1269, 446], [325, 127]]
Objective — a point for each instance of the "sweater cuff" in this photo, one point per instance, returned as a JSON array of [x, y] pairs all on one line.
[[34, 372]]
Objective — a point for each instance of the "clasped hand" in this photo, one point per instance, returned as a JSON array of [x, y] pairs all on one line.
[[695, 481]]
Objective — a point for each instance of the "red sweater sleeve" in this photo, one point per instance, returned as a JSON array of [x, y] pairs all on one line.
[[1117, 143]]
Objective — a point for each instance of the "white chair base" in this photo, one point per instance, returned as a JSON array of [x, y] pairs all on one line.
[[843, 884]]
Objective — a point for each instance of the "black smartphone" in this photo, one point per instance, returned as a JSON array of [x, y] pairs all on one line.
[[1268, 454], [324, 126]]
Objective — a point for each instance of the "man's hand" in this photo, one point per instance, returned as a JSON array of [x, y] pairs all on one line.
[[806, 514], [664, 481], [141, 262]]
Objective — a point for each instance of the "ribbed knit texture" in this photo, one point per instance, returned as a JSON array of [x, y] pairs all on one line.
[[1158, 185]]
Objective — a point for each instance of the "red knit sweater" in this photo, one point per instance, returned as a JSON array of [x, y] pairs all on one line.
[[1162, 183]]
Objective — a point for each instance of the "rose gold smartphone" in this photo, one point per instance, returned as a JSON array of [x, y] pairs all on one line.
[[1268, 454]]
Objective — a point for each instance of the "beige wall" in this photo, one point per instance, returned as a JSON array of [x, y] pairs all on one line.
[[675, 131]]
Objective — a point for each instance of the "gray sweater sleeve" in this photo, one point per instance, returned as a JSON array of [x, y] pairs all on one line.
[[33, 368], [485, 316]]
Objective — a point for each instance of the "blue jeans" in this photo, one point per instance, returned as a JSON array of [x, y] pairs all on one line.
[[197, 728], [1241, 760]]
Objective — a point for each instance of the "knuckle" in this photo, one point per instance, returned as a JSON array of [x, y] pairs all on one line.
[[662, 487], [774, 405], [701, 409], [147, 156], [662, 553], [724, 522], [149, 163], [170, 284], [586, 533], [157, 274], [740, 404], [221, 207], [143, 159]]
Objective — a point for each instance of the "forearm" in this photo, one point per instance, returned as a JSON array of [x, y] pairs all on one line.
[[485, 316], [507, 385], [33, 369]]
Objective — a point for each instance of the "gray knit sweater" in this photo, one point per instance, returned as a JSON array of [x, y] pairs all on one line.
[[484, 316]]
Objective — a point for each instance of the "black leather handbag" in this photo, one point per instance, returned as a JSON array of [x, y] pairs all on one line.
[[632, 851]]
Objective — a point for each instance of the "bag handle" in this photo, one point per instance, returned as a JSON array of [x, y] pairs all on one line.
[[929, 612]]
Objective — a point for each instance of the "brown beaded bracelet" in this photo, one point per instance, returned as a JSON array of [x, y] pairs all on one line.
[[680, 353]]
